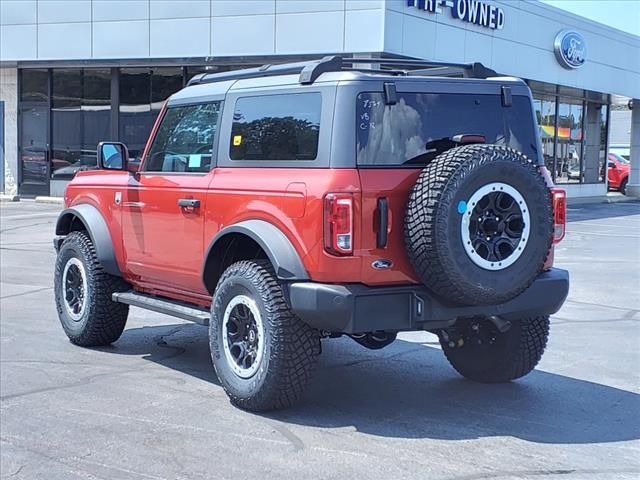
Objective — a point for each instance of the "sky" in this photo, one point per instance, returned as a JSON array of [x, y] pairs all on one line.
[[621, 14]]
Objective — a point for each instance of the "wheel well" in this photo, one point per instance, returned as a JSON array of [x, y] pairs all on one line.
[[229, 249], [70, 223]]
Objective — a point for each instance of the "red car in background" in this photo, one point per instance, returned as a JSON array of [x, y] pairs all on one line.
[[618, 172]]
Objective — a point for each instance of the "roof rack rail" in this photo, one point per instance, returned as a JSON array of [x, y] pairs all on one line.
[[309, 71]]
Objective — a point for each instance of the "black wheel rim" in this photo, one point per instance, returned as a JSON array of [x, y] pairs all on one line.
[[243, 337], [495, 226], [74, 288]]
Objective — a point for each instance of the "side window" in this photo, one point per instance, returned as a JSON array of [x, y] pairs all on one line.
[[184, 140], [276, 127]]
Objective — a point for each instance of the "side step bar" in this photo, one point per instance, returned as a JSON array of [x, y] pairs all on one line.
[[168, 307]]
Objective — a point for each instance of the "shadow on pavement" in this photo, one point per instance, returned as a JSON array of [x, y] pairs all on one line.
[[579, 213], [408, 390]]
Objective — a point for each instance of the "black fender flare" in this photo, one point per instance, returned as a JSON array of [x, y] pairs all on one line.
[[278, 248], [97, 229]]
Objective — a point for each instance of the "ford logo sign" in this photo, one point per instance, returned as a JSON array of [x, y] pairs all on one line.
[[570, 49], [381, 264]]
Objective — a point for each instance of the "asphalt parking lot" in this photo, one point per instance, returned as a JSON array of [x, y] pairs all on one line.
[[150, 406]]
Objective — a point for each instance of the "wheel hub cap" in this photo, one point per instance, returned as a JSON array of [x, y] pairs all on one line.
[[495, 226], [75, 288], [243, 339]]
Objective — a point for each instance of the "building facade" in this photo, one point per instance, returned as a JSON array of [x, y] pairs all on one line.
[[75, 72]]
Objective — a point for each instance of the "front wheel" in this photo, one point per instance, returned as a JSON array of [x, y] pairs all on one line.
[[83, 294], [479, 351], [263, 354]]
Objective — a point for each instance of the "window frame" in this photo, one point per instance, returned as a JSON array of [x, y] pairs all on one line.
[[322, 160], [156, 127]]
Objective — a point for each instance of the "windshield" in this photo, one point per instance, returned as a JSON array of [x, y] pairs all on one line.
[[420, 126]]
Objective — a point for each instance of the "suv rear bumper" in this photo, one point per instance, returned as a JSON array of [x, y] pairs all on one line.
[[357, 308]]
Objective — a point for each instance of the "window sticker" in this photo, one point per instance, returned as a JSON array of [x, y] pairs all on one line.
[[237, 140], [195, 161]]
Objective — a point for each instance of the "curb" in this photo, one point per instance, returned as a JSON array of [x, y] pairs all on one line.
[[600, 199], [9, 198], [53, 200]]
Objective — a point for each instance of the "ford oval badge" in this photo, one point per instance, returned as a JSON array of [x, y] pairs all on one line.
[[570, 49], [381, 264]]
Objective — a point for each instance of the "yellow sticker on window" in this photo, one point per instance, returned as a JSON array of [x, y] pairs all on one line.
[[237, 140]]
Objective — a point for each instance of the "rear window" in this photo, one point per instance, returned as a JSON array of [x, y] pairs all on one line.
[[276, 127], [420, 126]]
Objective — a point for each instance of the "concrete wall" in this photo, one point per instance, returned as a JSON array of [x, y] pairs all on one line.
[[9, 95], [523, 48], [131, 29], [620, 127]]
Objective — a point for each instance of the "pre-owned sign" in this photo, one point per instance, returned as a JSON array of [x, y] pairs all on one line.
[[472, 11]]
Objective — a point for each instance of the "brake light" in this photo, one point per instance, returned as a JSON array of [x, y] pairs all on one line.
[[559, 213], [338, 223]]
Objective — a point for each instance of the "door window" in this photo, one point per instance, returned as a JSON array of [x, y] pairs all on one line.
[[184, 140], [276, 127]]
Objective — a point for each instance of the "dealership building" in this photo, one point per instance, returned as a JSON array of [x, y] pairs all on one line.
[[75, 72]]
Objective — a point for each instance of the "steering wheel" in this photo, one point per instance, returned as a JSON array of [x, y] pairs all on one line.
[[205, 149]]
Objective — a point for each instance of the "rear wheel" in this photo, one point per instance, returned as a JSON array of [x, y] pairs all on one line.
[[479, 351], [83, 294], [263, 354]]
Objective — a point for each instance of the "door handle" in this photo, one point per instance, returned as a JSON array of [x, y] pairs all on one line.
[[189, 203]]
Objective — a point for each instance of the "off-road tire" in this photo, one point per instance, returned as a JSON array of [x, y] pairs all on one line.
[[291, 347], [433, 224], [514, 353], [623, 186], [103, 320]]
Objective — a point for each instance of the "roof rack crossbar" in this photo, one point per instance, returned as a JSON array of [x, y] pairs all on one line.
[[311, 70]]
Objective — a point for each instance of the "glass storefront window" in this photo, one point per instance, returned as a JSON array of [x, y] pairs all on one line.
[[81, 107], [34, 127], [569, 141], [545, 108], [136, 119], [574, 144], [142, 94], [66, 118]]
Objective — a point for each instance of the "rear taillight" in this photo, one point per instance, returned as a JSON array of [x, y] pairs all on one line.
[[338, 223], [559, 213]]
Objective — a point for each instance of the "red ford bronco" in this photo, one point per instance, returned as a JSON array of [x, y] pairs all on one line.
[[290, 203]]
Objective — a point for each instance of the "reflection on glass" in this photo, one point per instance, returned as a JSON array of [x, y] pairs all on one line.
[[112, 156], [34, 108], [545, 108], [277, 127], [569, 133], [420, 126], [143, 91], [136, 119], [81, 105], [184, 141]]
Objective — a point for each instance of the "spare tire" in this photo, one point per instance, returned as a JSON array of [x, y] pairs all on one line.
[[479, 224]]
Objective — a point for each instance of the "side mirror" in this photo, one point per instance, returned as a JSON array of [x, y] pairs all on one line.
[[612, 165], [112, 156], [133, 165]]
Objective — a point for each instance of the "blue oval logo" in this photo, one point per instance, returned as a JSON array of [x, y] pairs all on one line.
[[570, 49], [381, 264]]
